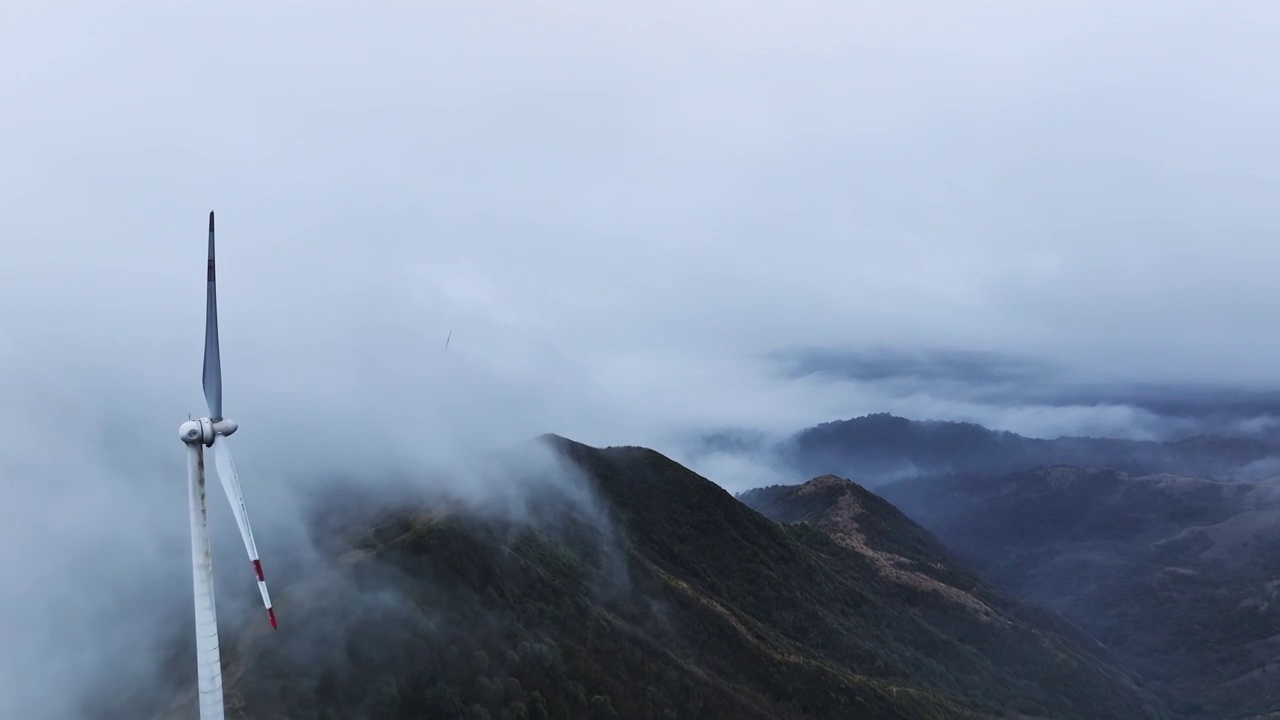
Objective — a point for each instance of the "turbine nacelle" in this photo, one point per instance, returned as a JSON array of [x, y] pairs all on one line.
[[204, 430]]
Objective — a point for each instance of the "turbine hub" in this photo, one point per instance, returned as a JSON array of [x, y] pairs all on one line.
[[204, 430]]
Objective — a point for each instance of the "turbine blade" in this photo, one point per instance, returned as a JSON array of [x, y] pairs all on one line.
[[231, 484], [212, 360], [208, 660]]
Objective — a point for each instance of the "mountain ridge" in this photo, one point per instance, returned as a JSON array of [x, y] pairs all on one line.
[[642, 590]]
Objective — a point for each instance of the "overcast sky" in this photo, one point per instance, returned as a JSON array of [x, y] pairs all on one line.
[[618, 211]]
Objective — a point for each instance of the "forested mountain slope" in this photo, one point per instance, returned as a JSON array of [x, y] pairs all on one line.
[[1179, 576], [642, 591]]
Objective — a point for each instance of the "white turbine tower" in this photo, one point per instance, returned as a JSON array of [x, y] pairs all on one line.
[[212, 432]]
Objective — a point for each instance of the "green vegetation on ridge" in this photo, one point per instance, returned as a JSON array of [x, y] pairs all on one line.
[[676, 601]]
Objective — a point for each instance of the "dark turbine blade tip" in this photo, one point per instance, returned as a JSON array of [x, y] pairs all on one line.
[[210, 221]]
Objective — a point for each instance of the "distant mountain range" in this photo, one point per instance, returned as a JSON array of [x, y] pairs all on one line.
[[881, 448], [1177, 575], [1180, 577], [647, 591]]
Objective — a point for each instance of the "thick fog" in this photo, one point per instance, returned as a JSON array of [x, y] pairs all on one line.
[[622, 215]]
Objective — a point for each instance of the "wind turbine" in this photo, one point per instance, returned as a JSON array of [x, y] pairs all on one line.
[[212, 432]]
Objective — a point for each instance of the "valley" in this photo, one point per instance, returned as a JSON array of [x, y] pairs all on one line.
[[1175, 574]]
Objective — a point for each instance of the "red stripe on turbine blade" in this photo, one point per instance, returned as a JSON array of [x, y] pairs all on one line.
[[257, 567], [271, 615]]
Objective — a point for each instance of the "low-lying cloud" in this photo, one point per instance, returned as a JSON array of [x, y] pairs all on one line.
[[1035, 396]]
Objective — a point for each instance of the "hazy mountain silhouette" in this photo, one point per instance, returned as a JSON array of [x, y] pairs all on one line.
[[881, 447]]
